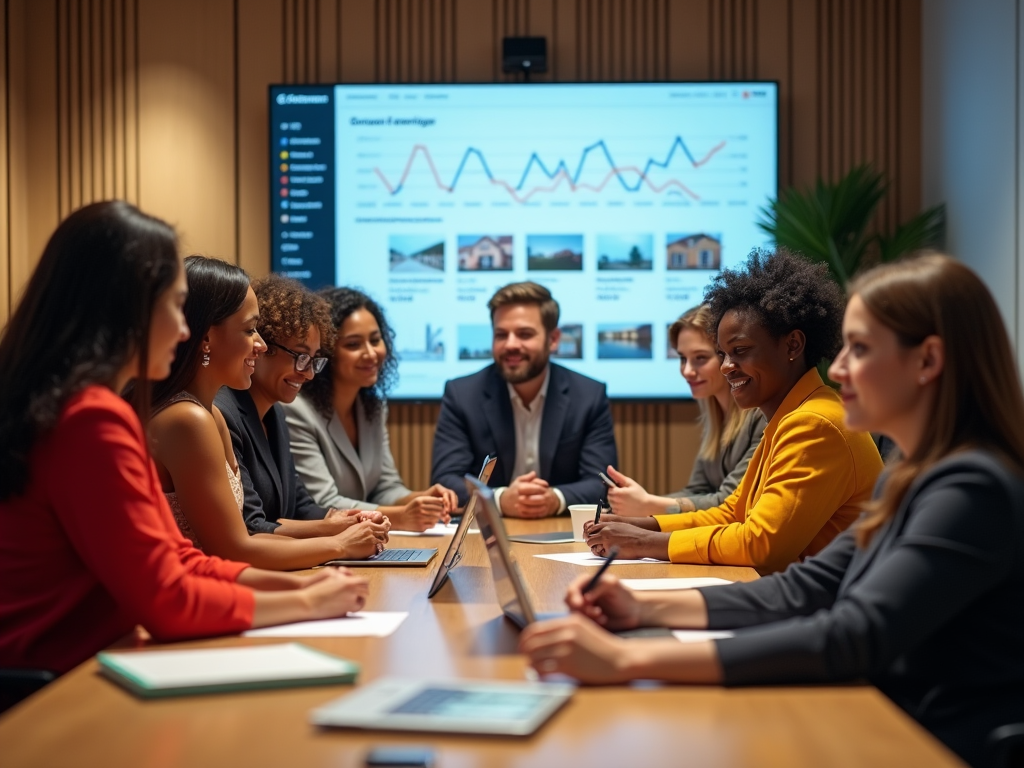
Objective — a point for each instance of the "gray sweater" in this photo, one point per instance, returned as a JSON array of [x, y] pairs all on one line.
[[713, 479]]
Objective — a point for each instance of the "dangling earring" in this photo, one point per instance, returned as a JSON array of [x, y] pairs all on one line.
[[206, 359]]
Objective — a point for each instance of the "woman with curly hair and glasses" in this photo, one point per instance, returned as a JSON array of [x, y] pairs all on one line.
[[923, 596], [295, 325], [774, 322], [338, 425]]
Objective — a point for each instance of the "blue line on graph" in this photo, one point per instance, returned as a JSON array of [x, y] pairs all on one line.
[[535, 158]]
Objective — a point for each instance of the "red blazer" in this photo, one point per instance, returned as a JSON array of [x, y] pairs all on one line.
[[91, 549]]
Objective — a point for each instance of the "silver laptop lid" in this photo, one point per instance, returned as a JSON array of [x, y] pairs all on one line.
[[454, 553], [508, 583]]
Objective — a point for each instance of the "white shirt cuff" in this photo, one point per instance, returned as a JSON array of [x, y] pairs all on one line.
[[497, 497], [562, 506]]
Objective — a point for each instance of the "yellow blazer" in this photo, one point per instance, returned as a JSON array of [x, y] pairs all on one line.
[[805, 484]]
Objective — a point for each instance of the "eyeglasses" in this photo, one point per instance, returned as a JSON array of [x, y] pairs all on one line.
[[302, 360]]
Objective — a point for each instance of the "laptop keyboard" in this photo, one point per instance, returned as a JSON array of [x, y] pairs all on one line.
[[396, 555]]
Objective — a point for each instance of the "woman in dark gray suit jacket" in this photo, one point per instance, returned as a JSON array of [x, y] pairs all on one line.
[[338, 424], [923, 596]]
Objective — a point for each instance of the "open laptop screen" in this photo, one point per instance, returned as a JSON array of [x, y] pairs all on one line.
[[454, 553], [507, 584]]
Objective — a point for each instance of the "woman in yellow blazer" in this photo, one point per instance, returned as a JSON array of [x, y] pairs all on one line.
[[775, 320]]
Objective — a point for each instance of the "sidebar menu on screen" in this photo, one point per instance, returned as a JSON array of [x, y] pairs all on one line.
[[302, 184]]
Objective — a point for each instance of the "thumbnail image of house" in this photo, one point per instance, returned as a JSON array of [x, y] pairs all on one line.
[[416, 253], [475, 342], [624, 341], [557, 252], [570, 345], [699, 251], [624, 252], [424, 344], [484, 252]]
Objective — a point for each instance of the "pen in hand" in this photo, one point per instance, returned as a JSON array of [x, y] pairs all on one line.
[[612, 554], [597, 517]]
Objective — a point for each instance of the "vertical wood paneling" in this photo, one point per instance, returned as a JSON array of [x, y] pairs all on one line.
[[32, 163], [187, 120], [164, 103], [260, 62], [97, 123], [5, 214]]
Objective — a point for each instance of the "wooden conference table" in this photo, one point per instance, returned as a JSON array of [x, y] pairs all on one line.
[[82, 720]]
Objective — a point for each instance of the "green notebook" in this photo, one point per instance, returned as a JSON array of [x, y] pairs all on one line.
[[153, 674]]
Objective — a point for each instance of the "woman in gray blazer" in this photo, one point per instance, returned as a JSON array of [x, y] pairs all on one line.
[[729, 439], [338, 424], [922, 597]]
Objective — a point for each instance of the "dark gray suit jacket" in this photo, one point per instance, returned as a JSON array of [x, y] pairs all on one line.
[[271, 486], [932, 611], [576, 436], [713, 480]]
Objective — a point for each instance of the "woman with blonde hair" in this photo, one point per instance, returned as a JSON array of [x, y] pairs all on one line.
[[729, 434], [922, 597]]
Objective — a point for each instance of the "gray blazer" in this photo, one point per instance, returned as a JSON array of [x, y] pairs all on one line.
[[713, 480], [333, 471]]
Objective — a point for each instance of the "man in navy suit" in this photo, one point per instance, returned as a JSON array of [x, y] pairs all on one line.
[[551, 428]]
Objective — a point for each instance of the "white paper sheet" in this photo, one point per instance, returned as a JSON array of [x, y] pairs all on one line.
[[697, 635], [645, 585], [589, 558], [362, 624], [440, 529]]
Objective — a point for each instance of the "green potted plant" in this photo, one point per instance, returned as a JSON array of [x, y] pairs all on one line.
[[830, 223]]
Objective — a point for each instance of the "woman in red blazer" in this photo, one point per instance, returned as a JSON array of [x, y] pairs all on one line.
[[89, 547]]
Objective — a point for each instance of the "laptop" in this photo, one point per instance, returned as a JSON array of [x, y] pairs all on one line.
[[508, 581], [454, 553]]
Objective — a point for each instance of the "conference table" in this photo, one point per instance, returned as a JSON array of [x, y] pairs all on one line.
[[84, 720]]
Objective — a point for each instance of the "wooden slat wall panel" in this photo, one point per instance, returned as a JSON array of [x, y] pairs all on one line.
[[5, 213], [32, 162], [260, 61], [163, 102], [97, 125], [186, 70]]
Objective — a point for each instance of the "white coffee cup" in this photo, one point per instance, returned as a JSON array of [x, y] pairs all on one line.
[[580, 513]]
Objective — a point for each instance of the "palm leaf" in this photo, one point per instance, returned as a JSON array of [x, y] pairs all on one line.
[[926, 230], [829, 222]]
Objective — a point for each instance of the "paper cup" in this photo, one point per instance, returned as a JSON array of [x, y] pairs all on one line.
[[580, 513]]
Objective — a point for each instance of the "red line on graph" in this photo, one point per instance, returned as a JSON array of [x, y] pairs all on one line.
[[559, 177]]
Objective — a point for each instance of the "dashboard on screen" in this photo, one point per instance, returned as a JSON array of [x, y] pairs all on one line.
[[623, 199]]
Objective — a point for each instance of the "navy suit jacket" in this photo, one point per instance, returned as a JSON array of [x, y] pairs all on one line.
[[271, 485], [576, 436]]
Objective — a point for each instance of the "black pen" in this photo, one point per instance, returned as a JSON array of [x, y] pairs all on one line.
[[612, 554], [597, 517]]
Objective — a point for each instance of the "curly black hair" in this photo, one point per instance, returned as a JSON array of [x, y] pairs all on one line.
[[319, 391], [786, 292]]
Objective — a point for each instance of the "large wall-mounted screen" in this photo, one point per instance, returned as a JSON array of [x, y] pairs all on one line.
[[624, 199]]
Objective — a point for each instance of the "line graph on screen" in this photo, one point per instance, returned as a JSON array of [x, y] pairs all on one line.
[[631, 178]]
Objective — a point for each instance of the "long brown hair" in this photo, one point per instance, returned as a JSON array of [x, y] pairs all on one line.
[[85, 313], [979, 403], [719, 428]]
